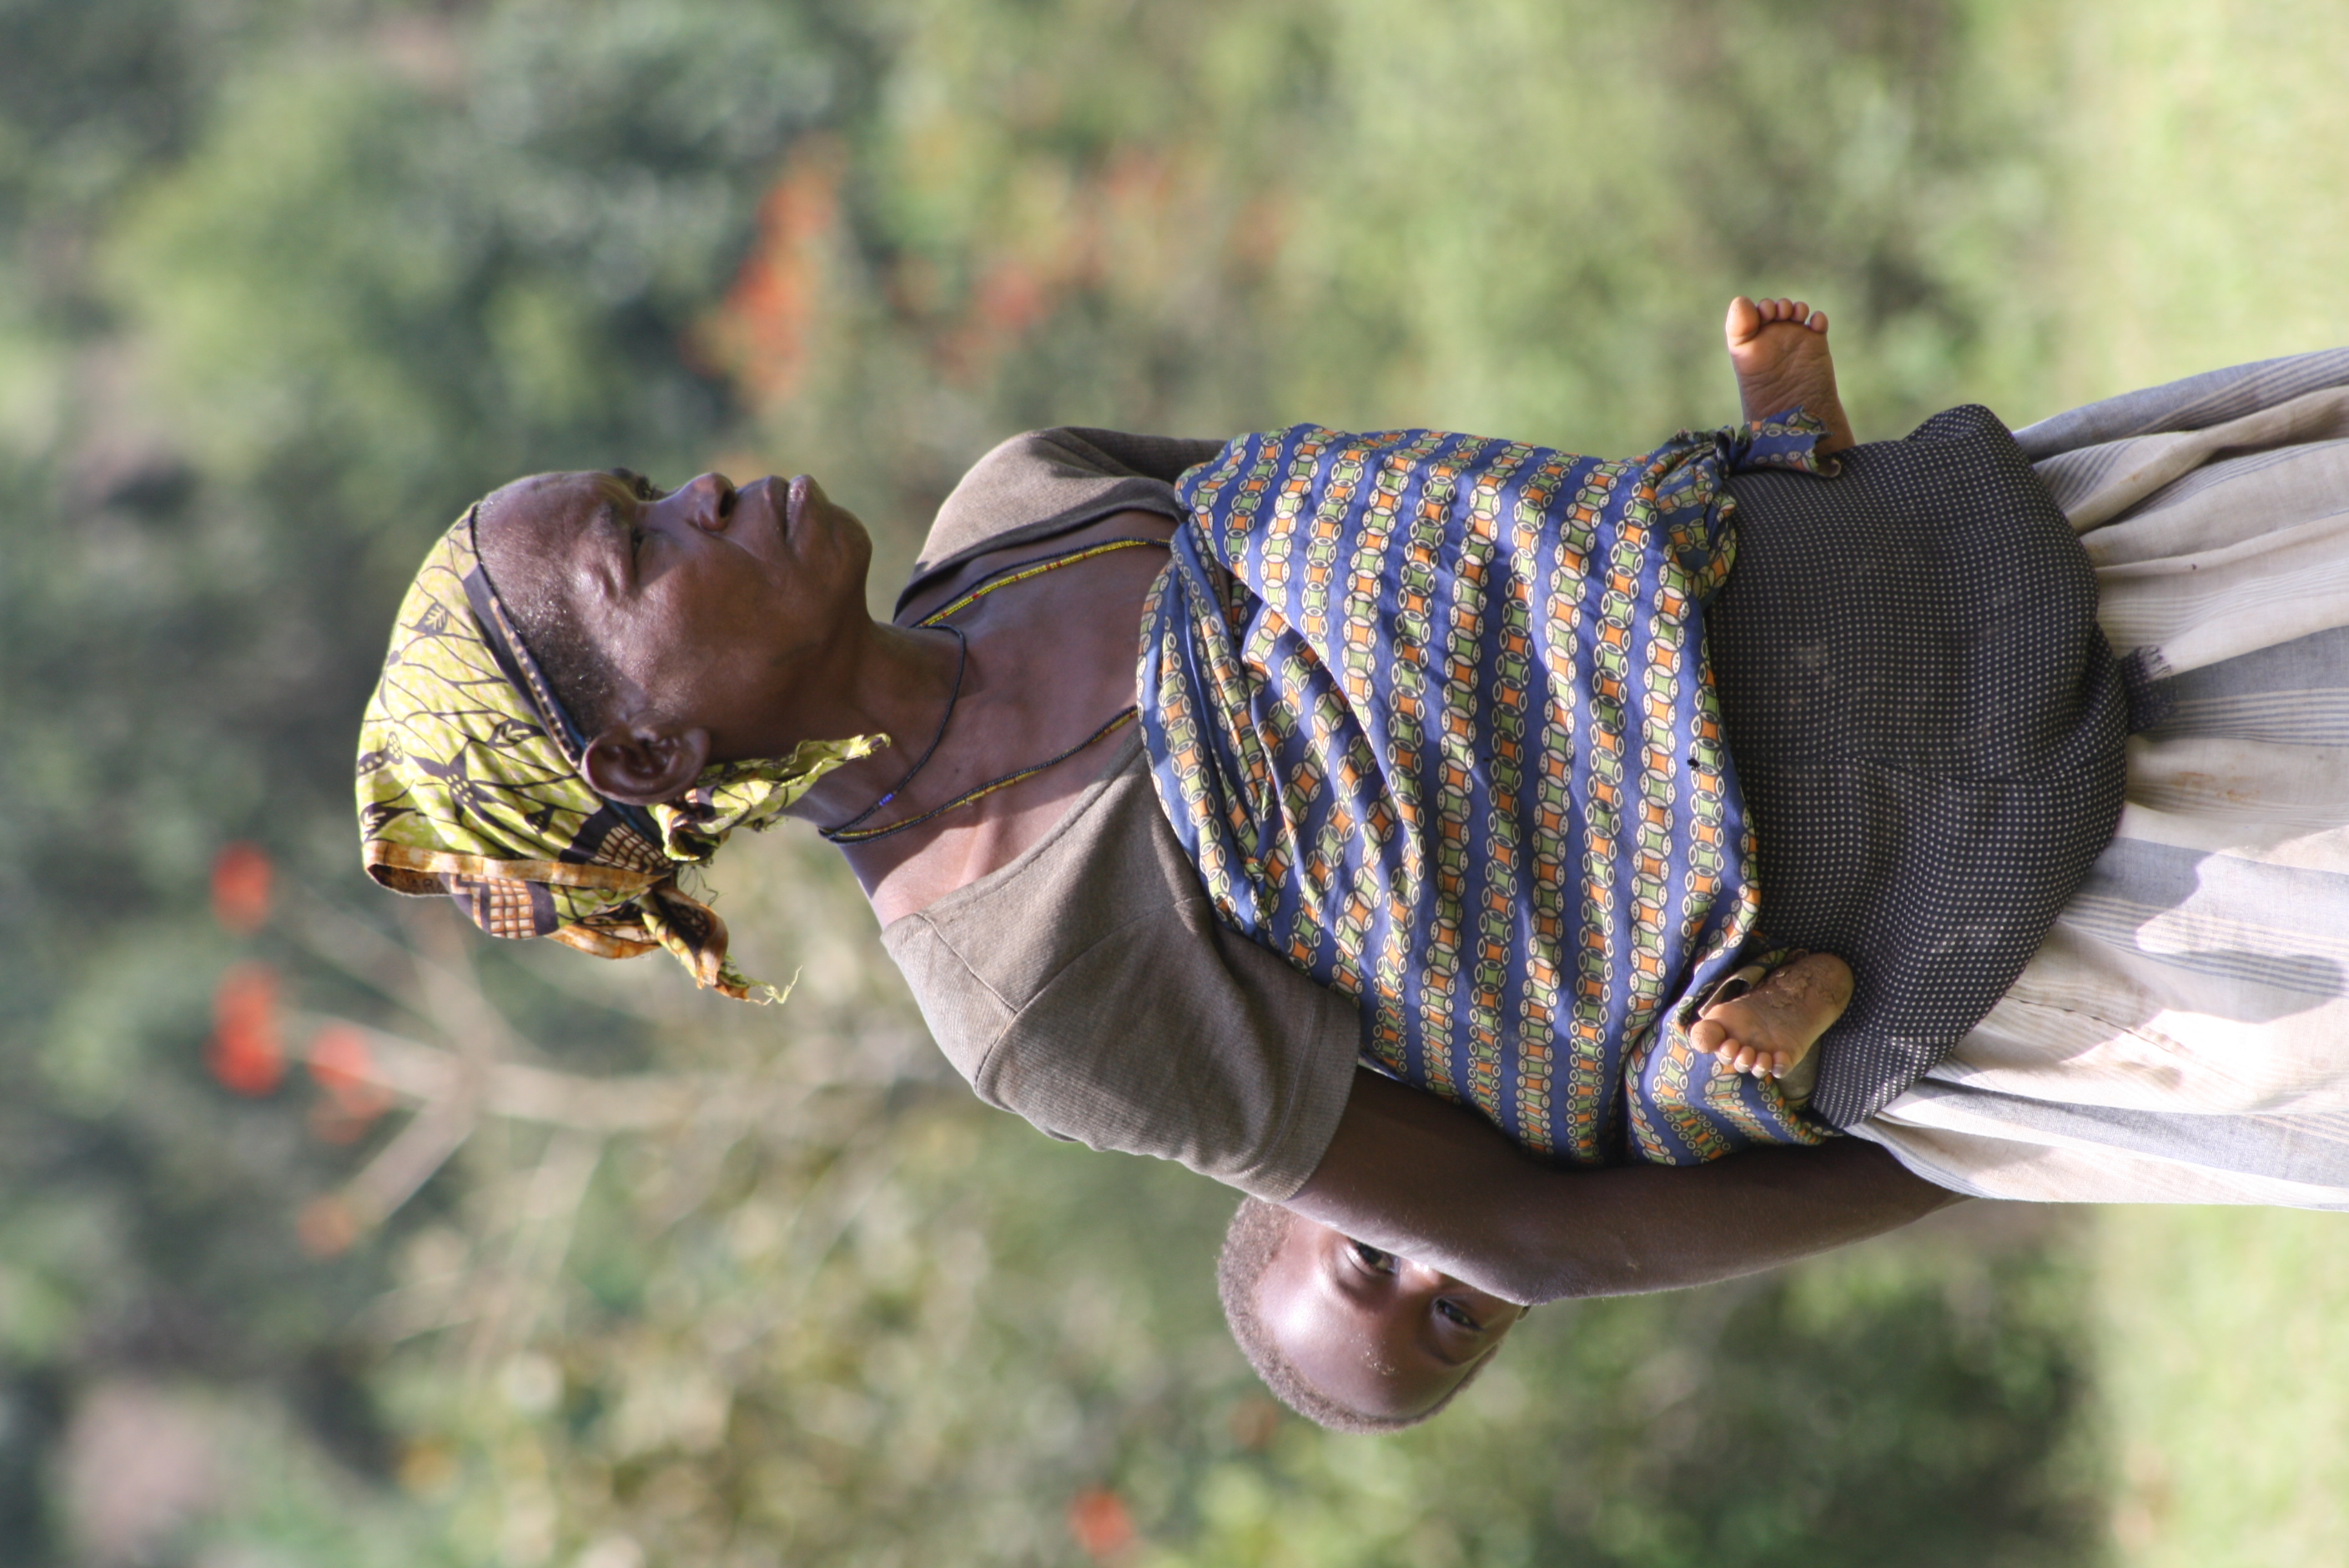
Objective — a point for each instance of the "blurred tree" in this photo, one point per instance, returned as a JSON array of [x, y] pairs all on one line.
[[287, 285]]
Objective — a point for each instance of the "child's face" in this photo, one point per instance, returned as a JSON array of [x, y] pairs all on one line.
[[1377, 1333]]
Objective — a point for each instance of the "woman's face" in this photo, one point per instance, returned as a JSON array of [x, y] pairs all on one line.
[[713, 605]]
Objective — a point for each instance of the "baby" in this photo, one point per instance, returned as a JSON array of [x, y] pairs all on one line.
[[1361, 1340]]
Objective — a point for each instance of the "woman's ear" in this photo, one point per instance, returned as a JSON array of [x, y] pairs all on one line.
[[644, 764]]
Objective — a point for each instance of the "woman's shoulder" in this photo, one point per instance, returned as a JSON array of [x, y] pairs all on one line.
[[1088, 987], [1046, 483], [1092, 870]]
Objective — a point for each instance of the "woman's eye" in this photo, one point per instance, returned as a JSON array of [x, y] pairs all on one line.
[[1372, 1259], [636, 541]]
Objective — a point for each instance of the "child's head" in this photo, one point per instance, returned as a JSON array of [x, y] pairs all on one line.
[[1354, 1338]]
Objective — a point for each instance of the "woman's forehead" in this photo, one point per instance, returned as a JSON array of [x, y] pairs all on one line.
[[538, 522], [545, 509], [529, 533]]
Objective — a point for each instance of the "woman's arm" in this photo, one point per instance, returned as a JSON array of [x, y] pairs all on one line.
[[1413, 1175]]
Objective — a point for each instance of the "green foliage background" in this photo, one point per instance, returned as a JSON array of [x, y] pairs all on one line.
[[286, 283]]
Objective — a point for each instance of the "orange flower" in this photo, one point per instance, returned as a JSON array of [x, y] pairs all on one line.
[[341, 1065], [241, 878], [246, 1053], [1102, 1522], [345, 1068]]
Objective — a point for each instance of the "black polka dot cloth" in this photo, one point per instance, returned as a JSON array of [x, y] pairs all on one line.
[[1928, 727]]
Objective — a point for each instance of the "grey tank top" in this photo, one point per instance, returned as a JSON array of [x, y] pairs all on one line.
[[1088, 986]]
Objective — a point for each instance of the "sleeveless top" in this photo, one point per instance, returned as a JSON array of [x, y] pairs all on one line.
[[1088, 986]]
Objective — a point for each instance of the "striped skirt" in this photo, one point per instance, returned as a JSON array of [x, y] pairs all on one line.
[[2182, 1036]]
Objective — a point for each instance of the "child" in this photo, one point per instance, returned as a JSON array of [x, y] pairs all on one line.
[[1362, 1340]]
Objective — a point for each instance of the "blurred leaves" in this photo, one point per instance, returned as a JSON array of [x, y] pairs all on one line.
[[449, 251]]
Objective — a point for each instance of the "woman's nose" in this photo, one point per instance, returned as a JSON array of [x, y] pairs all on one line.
[[710, 502]]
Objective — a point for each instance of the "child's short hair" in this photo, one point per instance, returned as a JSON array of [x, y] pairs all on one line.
[[1256, 1231]]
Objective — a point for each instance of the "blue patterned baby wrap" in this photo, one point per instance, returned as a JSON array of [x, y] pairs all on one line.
[[1431, 716]]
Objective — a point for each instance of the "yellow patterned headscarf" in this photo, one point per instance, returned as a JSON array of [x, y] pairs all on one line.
[[469, 785]]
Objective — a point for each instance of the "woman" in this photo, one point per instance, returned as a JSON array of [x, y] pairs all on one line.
[[696, 640]]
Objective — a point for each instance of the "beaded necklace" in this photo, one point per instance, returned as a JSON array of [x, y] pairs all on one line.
[[848, 832]]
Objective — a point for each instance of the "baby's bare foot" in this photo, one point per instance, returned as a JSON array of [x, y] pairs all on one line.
[[1773, 1025], [1779, 349]]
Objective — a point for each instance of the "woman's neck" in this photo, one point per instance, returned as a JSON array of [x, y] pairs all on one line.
[[903, 682], [1050, 661]]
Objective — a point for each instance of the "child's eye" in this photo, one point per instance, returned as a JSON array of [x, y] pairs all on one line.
[[1372, 1259]]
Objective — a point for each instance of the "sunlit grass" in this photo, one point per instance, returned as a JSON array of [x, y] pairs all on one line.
[[2204, 155], [2206, 158], [2222, 1342]]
